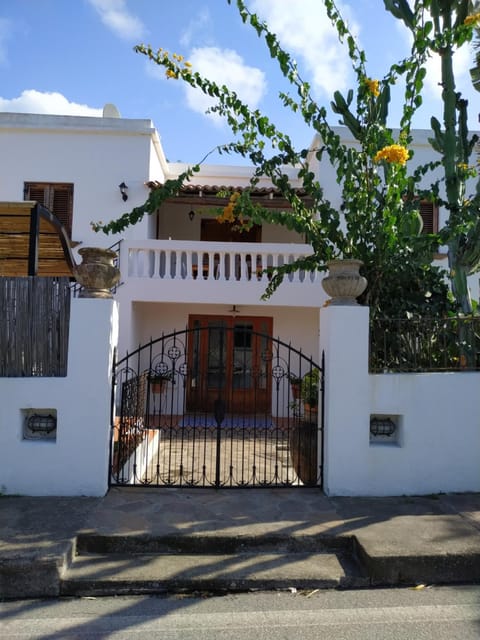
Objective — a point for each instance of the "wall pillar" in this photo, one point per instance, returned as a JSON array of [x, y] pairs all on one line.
[[75, 461], [344, 339], [93, 338]]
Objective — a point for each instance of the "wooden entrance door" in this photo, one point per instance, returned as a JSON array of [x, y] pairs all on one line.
[[213, 231], [228, 361]]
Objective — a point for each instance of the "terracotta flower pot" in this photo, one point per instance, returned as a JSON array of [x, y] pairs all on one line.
[[303, 444], [296, 389], [158, 387]]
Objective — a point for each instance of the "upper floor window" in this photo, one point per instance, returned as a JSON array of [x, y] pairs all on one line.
[[429, 213], [56, 197]]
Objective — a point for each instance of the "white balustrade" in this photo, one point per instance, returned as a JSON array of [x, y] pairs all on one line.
[[214, 261]]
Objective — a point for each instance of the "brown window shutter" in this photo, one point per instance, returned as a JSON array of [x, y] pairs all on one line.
[[35, 192], [62, 206], [56, 197], [429, 213]]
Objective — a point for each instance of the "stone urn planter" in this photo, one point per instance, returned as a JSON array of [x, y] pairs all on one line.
[[344, 283], [97, 273]]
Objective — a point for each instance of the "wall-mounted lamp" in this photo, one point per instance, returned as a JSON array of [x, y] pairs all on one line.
[[382, 426], [123, 190], [191, 215]]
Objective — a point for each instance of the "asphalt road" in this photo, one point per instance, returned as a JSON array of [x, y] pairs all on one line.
[[432, 613]]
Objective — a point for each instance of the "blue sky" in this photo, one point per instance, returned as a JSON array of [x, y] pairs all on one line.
[[73, 56]]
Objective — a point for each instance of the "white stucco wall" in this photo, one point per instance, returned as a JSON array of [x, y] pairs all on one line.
[[438, 443], [76, 463], [439, 440], [95, 154]]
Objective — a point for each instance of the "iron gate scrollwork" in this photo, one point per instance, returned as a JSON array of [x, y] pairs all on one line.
[[217, 407]]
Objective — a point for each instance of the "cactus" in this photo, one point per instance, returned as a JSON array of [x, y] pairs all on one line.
[[462, 233]]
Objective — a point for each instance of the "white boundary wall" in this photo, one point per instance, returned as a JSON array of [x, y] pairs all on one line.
[[437, 447], [76, 462], [438, 439]]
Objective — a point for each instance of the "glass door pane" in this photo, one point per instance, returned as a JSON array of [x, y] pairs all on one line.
[[242, 356], [216, 355]]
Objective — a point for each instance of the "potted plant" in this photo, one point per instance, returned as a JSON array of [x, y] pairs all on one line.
[[158, 380], [303, 436], [296, 385], [309, 390]]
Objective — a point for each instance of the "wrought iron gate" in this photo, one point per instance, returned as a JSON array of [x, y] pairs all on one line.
[[217, 406]]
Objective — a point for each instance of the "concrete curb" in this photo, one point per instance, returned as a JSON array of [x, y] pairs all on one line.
[[377, 541]]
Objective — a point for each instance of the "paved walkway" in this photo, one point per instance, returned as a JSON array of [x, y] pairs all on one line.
[[433, 538]]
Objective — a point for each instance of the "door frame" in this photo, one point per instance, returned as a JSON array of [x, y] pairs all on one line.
[[202, 396]]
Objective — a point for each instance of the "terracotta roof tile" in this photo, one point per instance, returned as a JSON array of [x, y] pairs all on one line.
[[213, 190]]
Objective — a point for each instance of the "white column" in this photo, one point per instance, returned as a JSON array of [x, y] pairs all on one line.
[[93, 337], [344, 335]]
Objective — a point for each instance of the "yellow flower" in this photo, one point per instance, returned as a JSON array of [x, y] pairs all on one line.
[[393, 153], [373, 86], [171, 74], [466, 171], [227, 215], [187, 64], [472, 20]]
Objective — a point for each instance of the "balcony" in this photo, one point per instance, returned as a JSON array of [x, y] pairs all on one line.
[[216, 272]]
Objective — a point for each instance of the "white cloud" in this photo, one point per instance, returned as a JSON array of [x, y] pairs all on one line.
[[225, 66], [115, 15], [200, 25], [32, 101], [462, 61], [5, 31], [305, 31]]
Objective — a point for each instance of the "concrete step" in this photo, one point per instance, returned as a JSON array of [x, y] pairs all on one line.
[[143, 563], [120, 573], [211, 543]]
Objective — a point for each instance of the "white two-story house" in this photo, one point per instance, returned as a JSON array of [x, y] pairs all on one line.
[[179, 266]]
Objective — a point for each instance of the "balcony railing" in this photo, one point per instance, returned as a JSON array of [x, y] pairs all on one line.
[[215, 261]]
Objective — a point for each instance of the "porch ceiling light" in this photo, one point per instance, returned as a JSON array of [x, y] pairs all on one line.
[[123, 190]]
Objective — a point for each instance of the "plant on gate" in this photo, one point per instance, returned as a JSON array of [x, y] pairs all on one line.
[[310, 388]]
